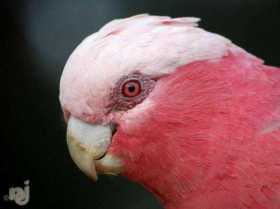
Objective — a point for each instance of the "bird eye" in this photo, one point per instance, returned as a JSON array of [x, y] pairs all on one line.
[[131, 88]]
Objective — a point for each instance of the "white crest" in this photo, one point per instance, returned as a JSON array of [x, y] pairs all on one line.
[[152, 45]]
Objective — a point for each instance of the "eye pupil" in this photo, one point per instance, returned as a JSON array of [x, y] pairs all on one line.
[[131, 88]]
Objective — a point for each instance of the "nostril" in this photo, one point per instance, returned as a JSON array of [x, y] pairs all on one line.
[[66, 115]]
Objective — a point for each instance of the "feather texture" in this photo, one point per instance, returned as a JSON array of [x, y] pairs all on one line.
[[207, 136]]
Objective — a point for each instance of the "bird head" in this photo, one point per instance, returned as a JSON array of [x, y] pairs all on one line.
[[140, 94]]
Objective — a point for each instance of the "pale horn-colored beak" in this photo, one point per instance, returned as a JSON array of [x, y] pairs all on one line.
[[88, 144]]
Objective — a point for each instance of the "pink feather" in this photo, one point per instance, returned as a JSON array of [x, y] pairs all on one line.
[[207, 136], [212, 140]]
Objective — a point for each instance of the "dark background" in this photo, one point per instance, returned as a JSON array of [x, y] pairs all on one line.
[[36, 38]]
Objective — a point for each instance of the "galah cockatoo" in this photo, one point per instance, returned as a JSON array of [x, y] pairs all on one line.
[[184, 112]]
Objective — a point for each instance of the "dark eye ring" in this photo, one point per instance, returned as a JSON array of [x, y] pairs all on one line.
[[131, 88]]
